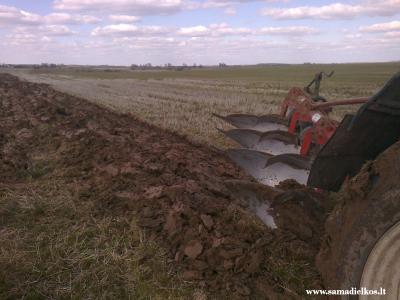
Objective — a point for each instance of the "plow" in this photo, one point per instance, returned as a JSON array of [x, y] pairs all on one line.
[[300, 141]]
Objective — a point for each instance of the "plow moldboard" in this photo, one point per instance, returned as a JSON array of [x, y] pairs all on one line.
[[271, 170], [261, 123], [274, 142]]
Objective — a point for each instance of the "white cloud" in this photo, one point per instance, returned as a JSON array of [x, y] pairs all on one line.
[[216, 4], [230, 11], [366, 43], [134, 7], [146, 43], [194, 31], [336, 10], [19, 39], [224, 29], [229, 6], [65, 18], [39, 36], [290, 30], [222, 3], [392, 34], [128, 29], [55, 30], [382, 27], [213, 30], [12, 15], [353, 36], [44, 30], [210, 4], [123, 18], [218, 30], [226, 4]]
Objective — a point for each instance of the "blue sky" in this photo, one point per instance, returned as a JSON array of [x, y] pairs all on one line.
[[205, 32]]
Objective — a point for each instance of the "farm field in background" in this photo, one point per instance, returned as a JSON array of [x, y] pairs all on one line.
[[183, 101]]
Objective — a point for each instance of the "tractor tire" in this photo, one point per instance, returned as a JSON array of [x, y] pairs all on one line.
[[362, 244]]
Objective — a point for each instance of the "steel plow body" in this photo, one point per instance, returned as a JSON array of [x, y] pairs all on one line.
[[260, 123], [269, 169], [273, 142]]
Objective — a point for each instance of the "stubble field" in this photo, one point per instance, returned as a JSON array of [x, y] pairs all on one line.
[[183, 101]]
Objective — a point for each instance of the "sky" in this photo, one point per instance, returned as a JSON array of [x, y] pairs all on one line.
[[125, 32]]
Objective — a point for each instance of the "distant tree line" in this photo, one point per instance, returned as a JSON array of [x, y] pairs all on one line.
[[147, 66], [34, 66], [167, 66]]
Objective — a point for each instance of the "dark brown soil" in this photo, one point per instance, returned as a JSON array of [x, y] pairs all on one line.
[[180, 192]]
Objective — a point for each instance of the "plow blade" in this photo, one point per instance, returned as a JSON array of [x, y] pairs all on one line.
[[256, 197], [260, 123], [269, 169], [273, 142]]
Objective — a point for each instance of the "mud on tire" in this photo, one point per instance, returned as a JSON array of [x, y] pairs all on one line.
[[368, 207]]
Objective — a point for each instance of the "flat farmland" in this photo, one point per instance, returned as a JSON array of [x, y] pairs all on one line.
[[184, 101]]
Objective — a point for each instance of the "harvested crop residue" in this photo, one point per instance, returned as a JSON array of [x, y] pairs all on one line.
[[179, 194]]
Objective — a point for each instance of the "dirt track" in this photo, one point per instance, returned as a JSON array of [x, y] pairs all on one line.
[[181, 193]]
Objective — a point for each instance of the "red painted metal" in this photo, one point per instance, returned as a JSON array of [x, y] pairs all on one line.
[[340, 102], [306, 142], [301, 108], [293, 122]]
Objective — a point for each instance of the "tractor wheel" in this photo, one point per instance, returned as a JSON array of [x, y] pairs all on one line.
[[362, 244]]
